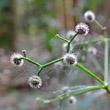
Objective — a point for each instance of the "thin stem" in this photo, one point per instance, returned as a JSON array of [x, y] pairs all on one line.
[[57, 35], [107, 90], [105, 54], [31, 61], [106, 50], [98, 24], [91, 42], [40, 69], [52, 62], [90, 73], [105, 34], [73, 37], [81, 92], [48, 64], [69, 42], [41, 66], [68, 47], [67, 96]]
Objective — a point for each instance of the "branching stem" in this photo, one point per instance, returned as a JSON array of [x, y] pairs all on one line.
[[31, 61], [69, 42], [57, 35], [106, 49]]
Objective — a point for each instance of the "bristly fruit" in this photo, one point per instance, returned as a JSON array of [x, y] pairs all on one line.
[[16, 60], [70, 59], [82, 29], [89, 16], [35, 81]]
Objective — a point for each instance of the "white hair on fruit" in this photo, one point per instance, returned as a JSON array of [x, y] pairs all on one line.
[[72, 100], [16, 60], [82, 29], [89, 16], [35, 81], [70, 59]]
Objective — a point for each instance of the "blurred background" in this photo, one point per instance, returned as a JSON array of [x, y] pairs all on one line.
[[32, 25]]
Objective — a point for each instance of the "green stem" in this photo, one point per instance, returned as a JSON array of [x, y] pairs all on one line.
[[69, 42], [67, 96], [73, 37], [68, 47], [57, 35], [48, 64], [106, 50], [105, 53], [98, 24], [52, 62], [105, 34], [40, 69], [81, 92], [90, 73], [91, 42], [31, 61], [107, 90]]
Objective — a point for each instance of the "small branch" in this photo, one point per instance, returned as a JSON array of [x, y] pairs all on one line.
[[69, 42], [106, 50], [107, 90], [106, 87], [90, 73], [52, 62], [91, 42], [105, 34], [68, 47], [57, 35], [31, 61], [69, 95], [73, 37], [81, 92], [38, 73], [98, 24], [48, 64]]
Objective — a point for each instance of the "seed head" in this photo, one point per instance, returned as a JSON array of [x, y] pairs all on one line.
[[64, 47], [82, 29], [35, 81], [89, 16], [15, 59], [70, 34], [72, 100], [70, 59]]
